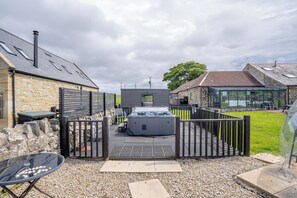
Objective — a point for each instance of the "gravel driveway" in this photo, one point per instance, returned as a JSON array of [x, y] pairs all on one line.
[[200, 178]]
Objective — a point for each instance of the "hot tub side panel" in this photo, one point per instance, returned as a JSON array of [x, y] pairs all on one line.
[[151, 126]]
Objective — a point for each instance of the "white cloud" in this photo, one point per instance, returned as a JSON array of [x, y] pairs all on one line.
[[129, 41]]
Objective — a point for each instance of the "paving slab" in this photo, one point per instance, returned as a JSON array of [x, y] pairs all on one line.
[[167, 166], [115, 166], [290, 192], [271, 180], [148, 189], [148, 166], [141, 167], [269, 158]]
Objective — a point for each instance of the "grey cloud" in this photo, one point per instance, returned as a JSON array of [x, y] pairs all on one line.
[[128, 41]]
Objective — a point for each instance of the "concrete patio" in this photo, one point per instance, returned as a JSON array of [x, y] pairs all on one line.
[[272, 180]]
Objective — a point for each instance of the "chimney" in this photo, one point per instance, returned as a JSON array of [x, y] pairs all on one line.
[[275, 63], [35, 52]]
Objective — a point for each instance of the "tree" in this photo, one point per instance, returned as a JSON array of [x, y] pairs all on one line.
[[182, 73]]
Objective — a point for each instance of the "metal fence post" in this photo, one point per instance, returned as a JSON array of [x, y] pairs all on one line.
[[177, 137], [215, 124], [105, 138], [104, 104], [91, 103], [64, 136], [247, 131]]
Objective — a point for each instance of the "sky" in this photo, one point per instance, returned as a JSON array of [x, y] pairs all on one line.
[[124, 43]]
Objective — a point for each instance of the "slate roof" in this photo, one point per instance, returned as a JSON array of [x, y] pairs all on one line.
[[279, 71], [221, 79], [45, 68]]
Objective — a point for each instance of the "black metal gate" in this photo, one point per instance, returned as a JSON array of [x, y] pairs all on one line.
[[86, 138]]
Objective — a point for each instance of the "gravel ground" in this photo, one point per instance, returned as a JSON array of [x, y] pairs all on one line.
[[200, 178]]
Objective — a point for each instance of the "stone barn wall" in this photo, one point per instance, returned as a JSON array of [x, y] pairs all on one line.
[[31, 137]]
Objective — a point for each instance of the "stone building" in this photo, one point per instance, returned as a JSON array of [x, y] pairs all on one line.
[[276, 75], [30, 77], [230, 89]]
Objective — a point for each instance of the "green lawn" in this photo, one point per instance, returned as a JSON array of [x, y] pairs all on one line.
[[118, 99], [265, 129]]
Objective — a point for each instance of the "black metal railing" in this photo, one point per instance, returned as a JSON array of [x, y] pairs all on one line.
[[212, 134]]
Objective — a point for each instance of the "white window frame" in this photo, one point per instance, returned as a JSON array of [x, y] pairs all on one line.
[[55, 65], [290, 75], [22, 52], [6, 48], [66, 69]]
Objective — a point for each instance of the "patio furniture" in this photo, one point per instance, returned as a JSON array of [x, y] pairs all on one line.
[[267, 105], [122, 127], [28, 168], [34, 115]]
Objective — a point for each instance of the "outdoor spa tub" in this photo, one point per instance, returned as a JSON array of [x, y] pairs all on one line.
[[151, 121]]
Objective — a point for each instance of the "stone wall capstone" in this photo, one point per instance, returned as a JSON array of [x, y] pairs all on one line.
[[31, 137]]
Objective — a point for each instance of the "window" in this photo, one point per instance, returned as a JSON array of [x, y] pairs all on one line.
[[84, 76], [290, 75], [233, 101], [22, 53], [241, 98], [56, 66], [224, 99], [256, 99], [4, 46], [147, 100], [66, 69], [267, 69], [48, 54], [80, 74], [1, 105]]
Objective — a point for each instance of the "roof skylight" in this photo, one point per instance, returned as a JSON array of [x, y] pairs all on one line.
[[290, 75], [22, 53], [55, 65], [80, 74], [48, 54], [84, 75], [267, 69], [4, 46], [66, 69]]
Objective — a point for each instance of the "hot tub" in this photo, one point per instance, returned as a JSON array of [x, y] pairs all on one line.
[[151, 121]]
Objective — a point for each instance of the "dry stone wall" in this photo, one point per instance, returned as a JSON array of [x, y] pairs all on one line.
[[31, 137]]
